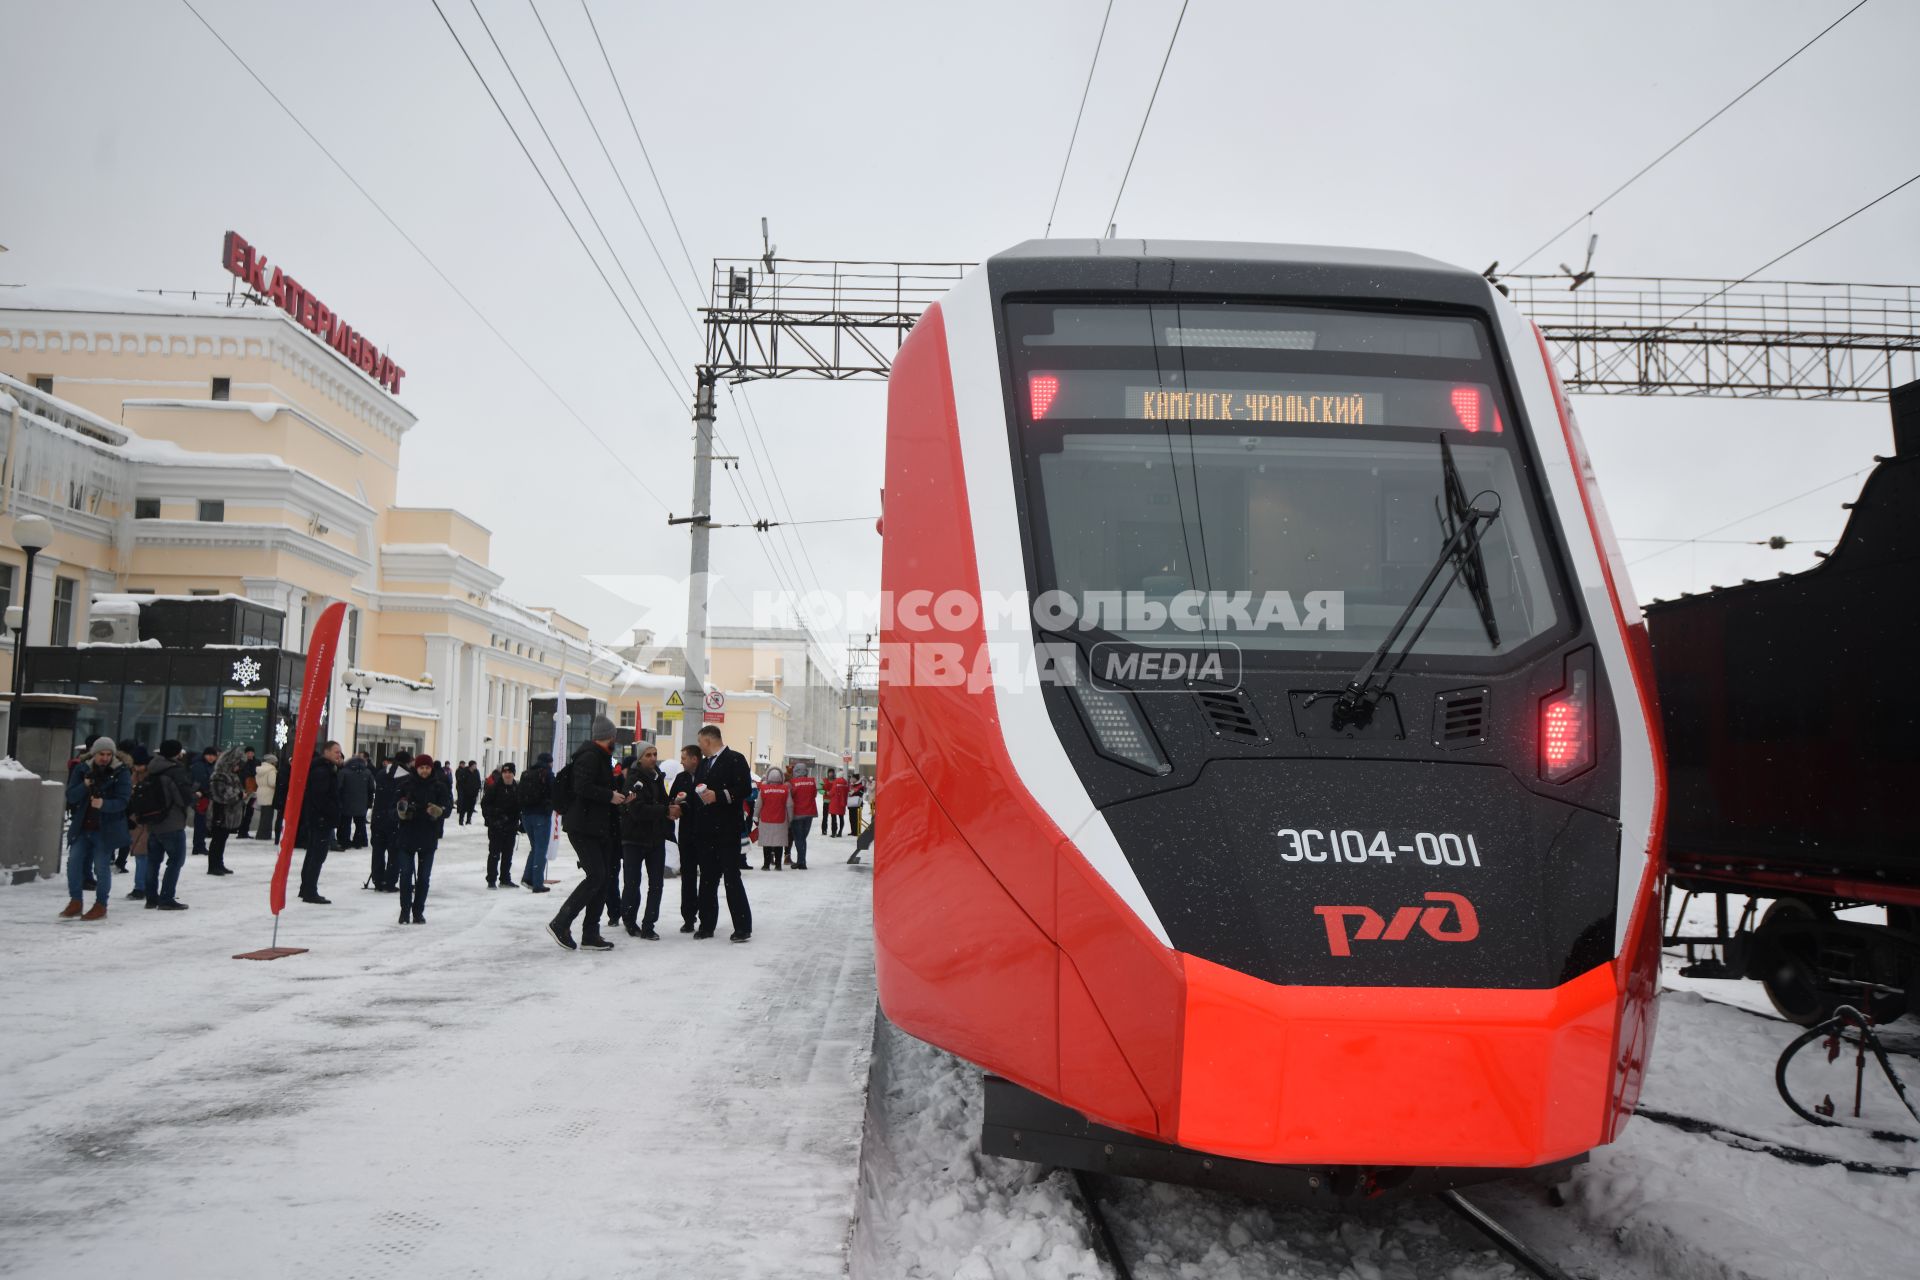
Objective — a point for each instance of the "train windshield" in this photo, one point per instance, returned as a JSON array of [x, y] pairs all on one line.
[[1269, 475]]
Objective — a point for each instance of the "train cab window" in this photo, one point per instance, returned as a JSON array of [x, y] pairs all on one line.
[[1271, 476]]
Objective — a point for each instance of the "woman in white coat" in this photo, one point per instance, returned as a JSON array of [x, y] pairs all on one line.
[[266, 777]]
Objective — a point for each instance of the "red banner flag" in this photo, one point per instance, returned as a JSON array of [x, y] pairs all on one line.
[[293, 770]]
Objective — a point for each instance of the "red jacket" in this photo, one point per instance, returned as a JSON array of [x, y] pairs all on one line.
[[773, 802], [837, 796], [805, 798]]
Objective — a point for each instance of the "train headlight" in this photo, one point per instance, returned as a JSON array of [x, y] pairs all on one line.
[[1119, 731], [1566, 722]]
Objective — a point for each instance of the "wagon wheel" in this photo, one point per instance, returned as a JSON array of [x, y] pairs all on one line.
[[1786, 963]]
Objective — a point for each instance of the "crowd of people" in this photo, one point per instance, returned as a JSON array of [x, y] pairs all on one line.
[[617, 816]]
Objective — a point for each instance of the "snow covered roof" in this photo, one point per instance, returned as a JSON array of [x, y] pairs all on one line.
[[86, 298], [116, 600]]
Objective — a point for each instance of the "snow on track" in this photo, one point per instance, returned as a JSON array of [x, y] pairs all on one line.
[[459, 1098]]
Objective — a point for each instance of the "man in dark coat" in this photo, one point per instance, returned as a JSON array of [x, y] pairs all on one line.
[[249, 770], [356, 797], [422, 809], [98, 789], [680, 804], [536, 819], [720, 786], [466, 785], [319, 815], [202, 774], [383, 874], [590, 822], [500, 812], [643, 842]]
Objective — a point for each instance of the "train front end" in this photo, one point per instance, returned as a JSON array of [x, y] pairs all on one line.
[[1267, 750]]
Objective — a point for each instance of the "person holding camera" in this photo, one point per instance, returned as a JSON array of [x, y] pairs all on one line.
[[421, 805], [97, 793]]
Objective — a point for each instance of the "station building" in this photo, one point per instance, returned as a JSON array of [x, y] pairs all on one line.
[[231, 451]]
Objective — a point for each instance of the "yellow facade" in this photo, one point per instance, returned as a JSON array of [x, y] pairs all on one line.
[[181, 447]]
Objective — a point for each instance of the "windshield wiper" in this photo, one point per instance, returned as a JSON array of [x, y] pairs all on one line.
[[1465, 524]]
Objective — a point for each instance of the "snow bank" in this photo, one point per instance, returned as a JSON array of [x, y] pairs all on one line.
[[11, 768]]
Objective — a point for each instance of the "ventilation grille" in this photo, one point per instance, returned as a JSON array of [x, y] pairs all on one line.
[[1229, 715], [1460, 718]]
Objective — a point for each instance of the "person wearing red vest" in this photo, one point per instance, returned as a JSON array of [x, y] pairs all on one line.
[[836, 803], [805, 804], [771, 812]]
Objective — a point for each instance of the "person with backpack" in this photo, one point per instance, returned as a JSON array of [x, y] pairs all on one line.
[[162, 803], [98, 790], [422, 805], [266, 778], [643, 842], [500, 813], [536, 819], [591, 806], [226, 808]]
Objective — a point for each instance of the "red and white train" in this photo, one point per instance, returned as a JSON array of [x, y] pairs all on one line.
[[1267, 735]]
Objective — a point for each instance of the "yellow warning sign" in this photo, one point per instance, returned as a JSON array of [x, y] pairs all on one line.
[[675, 700]]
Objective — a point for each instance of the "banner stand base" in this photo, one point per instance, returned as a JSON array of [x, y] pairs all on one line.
[[271, 953]]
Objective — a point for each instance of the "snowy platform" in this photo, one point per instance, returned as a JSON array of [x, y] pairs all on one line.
[[462, 1098]]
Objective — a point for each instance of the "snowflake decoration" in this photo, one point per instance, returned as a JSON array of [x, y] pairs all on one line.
[[246, 672], [280, 735]]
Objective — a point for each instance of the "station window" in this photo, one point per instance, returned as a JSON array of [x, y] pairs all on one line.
[[64, 590], [213, 510], [146, 508], [43, 383], [222, 388], [627, 719], [6, 587]]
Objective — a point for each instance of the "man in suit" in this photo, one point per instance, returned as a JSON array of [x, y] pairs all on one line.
[[680, 806], [720, 786]]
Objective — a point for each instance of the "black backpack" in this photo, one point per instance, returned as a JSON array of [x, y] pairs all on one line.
[[148, 803], [533, 791], [563, 789]]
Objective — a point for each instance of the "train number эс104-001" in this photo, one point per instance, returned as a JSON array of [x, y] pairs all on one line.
[[1435, 849]]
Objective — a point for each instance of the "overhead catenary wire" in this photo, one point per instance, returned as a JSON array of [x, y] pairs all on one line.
[[617, 176], [698, 286], [427, 258], [1751, 515], [1153, 98], [1059, 186], [1648, 167], [585, 204]]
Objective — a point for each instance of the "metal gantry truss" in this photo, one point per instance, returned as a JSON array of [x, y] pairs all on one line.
[[787, 318], [1789, 339], [1614, 335]]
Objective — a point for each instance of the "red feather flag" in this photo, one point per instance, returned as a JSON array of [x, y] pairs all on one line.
[[313, 700]]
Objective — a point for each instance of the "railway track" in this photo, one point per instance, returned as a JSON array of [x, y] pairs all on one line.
[[1106, 1241]]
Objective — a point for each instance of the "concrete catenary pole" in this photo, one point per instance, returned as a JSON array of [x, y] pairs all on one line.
[[702, 531]]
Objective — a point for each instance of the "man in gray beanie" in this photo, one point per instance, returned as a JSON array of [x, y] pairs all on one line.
[[588, 803], [97, 793]]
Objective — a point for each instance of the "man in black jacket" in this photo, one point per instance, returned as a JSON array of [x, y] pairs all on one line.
[[643, 843], [720, 786], [319, 815], [384, 874], [500, 812], [590, 821], [680, 805], [466, 790]]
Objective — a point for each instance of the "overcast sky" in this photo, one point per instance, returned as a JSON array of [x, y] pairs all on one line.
[[924, 131]]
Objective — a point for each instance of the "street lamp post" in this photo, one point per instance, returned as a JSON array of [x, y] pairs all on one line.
[[359, 685], [33, 533]]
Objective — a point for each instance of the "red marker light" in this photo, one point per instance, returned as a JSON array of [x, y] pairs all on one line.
[[1466, 407], [1041, 389], [1566, 726]]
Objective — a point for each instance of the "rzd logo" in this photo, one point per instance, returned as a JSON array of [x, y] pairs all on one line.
[[1371, 928]]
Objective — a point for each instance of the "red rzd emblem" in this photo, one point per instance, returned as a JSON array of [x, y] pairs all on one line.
[[1370, 927]]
